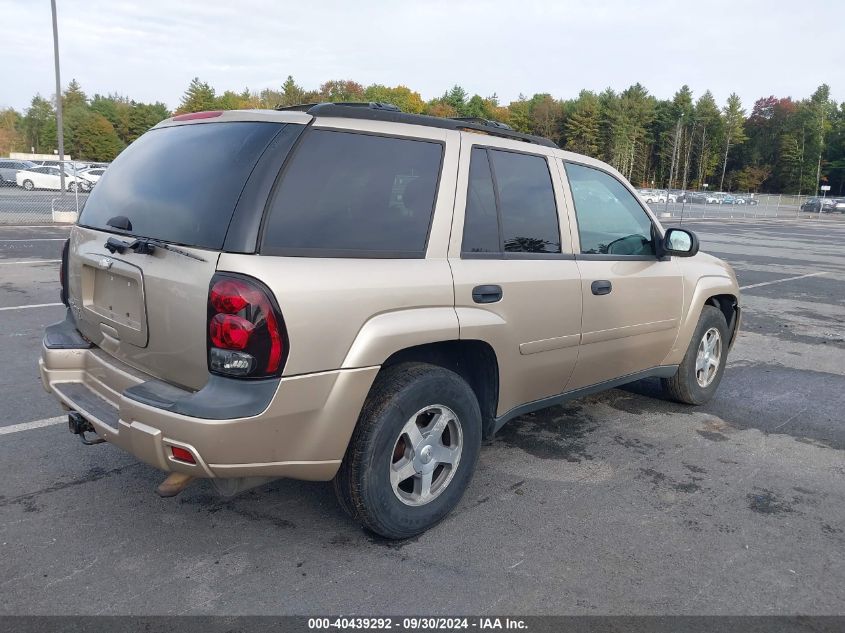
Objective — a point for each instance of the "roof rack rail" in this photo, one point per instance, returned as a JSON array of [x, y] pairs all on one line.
[[377, 111], [373, 105], [480, 121]]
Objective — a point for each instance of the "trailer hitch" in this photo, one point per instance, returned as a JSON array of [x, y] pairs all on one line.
[[78, 425]]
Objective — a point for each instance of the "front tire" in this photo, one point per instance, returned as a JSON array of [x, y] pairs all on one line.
[[71, 187], [700, 373], [28, 185], [413, 452]]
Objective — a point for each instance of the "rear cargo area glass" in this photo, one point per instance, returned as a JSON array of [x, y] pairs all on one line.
[[180, 184]]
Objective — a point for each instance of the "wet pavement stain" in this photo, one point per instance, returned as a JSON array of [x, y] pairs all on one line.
[[659, 479], [713, 436], [628, 404], [554, 433], [764, 501], [634, 444]]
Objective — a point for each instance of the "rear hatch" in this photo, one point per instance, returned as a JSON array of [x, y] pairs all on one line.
[[149, 238]]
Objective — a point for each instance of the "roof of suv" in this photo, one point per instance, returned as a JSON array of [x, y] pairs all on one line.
[[367, 111], [374, 111]]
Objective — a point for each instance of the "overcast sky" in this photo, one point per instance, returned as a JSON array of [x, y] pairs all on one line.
[[150, 49]]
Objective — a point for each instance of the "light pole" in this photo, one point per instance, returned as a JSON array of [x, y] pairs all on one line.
[[672, 164], [59, 128]]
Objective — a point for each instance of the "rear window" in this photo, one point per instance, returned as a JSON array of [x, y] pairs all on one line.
[[354, 195], [180, 184]]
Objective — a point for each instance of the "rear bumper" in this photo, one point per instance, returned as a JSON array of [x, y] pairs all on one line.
[[301, 433]]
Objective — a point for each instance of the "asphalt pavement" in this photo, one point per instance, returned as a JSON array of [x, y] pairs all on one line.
[[619, 503]]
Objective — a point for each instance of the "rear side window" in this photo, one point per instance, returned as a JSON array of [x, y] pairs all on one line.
[[510, 204], [481, 222], [348, 194], [180, 184]]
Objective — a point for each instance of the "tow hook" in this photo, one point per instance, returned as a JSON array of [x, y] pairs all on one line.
[[78, 425]]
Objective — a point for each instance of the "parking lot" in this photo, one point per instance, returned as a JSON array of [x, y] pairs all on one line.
[[18, 206], [619, 503]]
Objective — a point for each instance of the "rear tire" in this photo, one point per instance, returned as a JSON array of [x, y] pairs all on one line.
[[413, 451], [28, 185], [700, 373]]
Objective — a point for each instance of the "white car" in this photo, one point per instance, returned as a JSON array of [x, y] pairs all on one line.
[[650, 196], [92, 174], [48, 177]]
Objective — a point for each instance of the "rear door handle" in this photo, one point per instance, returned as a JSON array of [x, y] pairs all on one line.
[[487, 294], [601, 287]]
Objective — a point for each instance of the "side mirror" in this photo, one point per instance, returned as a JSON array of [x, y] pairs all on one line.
[[680, 242]]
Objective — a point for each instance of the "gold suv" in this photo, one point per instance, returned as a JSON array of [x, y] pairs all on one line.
[[347, 292]]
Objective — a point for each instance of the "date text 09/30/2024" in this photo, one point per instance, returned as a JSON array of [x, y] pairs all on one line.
[[416, 623]]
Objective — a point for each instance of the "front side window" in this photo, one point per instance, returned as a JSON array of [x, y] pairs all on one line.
[[610, 220], [355, 195], [510, 204]]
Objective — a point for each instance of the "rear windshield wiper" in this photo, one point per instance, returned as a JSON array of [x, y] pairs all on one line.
[[145, 247]]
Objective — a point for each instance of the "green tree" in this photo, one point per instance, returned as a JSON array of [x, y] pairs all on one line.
[[39, 125], [582, 126], [519, 115], [708, 129], [197, 98], [73, 96], [11, 136], [733, 129], [341, 90], [401, 96], [231, 100], [143, 116], [818, 111], [546, 116], [117, 109], [456, 98], [90, 136]]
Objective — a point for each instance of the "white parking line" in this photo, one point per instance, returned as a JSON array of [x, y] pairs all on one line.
[[779, 281], [32, 261], [36, 305], [37, 424], [38, 239]]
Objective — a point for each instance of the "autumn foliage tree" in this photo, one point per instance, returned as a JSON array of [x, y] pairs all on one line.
[[783, 145]]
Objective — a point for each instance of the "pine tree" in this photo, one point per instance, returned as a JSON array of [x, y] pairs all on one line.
[[734, 130], [197, 98], [582, 126]]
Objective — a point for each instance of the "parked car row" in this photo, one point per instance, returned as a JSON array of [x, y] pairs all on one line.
[[47, 174], [650, 196]]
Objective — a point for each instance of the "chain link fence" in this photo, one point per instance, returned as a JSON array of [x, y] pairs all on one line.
[[29, 203], [34, 195], [760, 207]]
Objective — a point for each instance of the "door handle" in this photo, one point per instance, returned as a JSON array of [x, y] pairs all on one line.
[[601, 287], [487, 294]]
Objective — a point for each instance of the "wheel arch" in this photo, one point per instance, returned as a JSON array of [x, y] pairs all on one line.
[[473, 360], [716, 290], [729, 306]]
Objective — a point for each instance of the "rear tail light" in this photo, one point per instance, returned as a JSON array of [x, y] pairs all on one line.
[[246, 333], [63, 273]]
